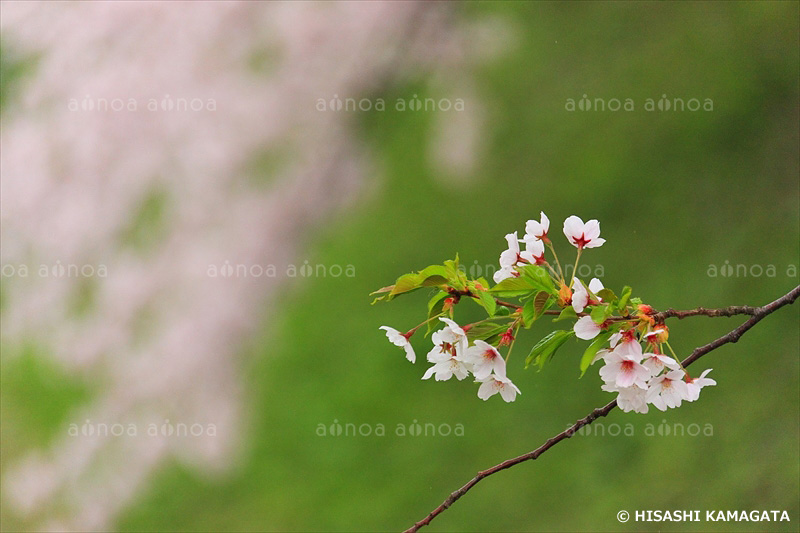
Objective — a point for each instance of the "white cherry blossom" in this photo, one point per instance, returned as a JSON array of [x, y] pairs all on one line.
[[485, 359], [667, 390], [629, 398], [624, 370], [582, 235], [580, 296], [398, 339], [450, 343], [693, 386], [493, 384], [537, 230], [513, 256], [657, 362]]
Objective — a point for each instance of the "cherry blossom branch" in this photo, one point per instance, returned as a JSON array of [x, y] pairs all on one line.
[[660, 316], [702, 311], [756, 315]]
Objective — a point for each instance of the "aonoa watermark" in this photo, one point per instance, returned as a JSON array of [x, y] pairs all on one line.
[[379, 104], [256, 270], [741, 270], [133, 105], [166, 428], [664, 429], [663, 104], [54, 270], [681, 515], [414, 429]]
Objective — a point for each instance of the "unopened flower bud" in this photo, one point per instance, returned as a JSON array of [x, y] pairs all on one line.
[[507, 337]]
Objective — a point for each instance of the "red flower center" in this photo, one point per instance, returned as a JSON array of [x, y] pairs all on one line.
[[581, 241]]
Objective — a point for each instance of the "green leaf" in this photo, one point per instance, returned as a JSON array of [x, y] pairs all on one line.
[[541, 302], [529, 313], [592, 350], [433, 275], [502, 311], [385, 291], [434, 281], [455, 276], [623, 299], [487, 301], [520, 284], [435, 305], [538, 277], [405, 283], [485, 330], [600, 313], [568, 313], [607, 295], [547, 347]]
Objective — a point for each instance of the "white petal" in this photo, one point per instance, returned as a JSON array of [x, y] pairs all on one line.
[[508, 258], [508, 392], [487, 390], [579, 297], [535, 247], [410, 355], [513, 242], [595, 243], [394, 336], [503, 273], [585, 328], [455, 328], [573, 227], [591, 230], [596, 285]]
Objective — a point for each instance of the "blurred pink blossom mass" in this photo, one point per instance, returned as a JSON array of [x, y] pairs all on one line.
[[219, 147]]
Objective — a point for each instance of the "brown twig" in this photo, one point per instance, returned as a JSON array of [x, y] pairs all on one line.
[[757, 314], [702, 311]]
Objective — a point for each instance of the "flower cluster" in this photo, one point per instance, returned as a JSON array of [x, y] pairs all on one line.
[[625, 334], [642, 378], [452, 356]]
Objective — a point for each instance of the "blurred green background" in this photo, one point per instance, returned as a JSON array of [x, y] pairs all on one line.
[[675, 192]]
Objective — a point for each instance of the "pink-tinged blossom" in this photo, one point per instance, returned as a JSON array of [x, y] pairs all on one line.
[[630, 347], [667, 390], [657, 362], [582, 235], [629, 398], [493, 384], [585, 328], [693, 386], [485, 359], [447, 367], [398, 339], [623, 370], [614, 339], [450, 343]]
